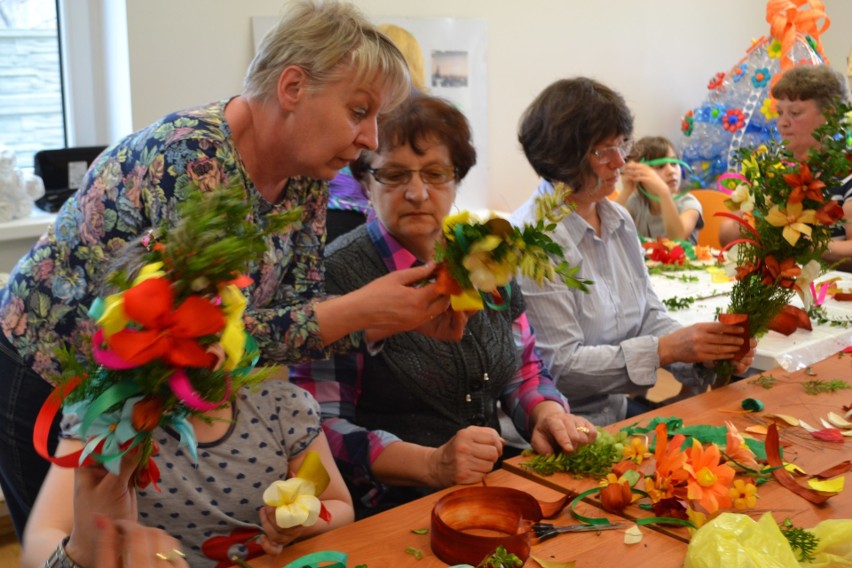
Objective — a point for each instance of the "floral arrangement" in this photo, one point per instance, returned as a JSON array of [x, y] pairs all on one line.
[[478, 257], [170, 342], [785, 227]]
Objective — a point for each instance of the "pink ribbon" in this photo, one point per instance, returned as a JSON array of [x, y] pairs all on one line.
[[819, 297], [729, 175], [107, 358], [180, 385]]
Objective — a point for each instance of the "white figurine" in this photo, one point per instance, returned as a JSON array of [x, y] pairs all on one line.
[[17, 189]]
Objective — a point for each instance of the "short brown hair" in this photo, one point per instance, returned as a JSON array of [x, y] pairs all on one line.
[[819, 83], [421, 119], [563, 124], [651, 148]]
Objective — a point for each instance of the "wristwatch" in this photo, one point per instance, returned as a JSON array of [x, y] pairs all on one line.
[[59, 558]]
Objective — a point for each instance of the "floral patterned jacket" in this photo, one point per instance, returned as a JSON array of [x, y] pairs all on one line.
[[135, 185]]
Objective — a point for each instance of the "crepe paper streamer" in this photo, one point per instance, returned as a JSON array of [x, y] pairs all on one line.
[[660, 162], [836, 470], [782, 476], [317, 559], [819, 295], [44, 420], [838, 421], [183, 389], [753, 405], [827, 485], [633, 535], [829, 435], [791, 420]]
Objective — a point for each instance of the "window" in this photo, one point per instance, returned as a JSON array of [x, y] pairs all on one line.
[[31, 101]]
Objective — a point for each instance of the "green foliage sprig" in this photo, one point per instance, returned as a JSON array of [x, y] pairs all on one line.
[[801, 540], [817, 386], [676, 303], [591, 460], [501, 558]]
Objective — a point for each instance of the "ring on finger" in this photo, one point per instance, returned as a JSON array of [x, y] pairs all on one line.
[[173, 554], [582, 429]]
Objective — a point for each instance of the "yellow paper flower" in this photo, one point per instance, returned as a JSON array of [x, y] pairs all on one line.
[[773, 50], [233, 336], [295, 502], [795, 221], [636, 450], [744, 495], [450, 221], [767, 109], [743, 198], [114, 319]]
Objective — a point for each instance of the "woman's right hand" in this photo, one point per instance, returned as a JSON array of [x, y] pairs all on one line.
[[466, 458], [699, 343], [99, 493]]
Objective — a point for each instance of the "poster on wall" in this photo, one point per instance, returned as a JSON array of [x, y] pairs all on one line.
[[453, 63]]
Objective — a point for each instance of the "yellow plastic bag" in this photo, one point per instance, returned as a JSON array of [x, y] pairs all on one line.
[[835, 544], [736, 541]]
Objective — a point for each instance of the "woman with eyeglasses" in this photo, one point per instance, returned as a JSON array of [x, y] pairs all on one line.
[[650, 191], [422, 414], [606, 344]]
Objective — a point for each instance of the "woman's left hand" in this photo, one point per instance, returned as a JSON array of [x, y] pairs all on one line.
[[561, 432], [275, 538]]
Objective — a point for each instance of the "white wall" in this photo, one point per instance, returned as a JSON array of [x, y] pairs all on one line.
[[659, 54]]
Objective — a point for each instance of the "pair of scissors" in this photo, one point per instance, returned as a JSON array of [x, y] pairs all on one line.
[[546, 530]]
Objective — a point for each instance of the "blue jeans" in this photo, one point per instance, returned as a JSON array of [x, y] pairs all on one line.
[[22, 470]]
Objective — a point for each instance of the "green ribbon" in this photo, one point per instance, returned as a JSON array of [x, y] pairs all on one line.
[[753, 405], [317, 559], [115, 394], [660, 162]]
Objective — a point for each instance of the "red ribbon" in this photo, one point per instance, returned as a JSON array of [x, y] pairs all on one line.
[[41, 432]]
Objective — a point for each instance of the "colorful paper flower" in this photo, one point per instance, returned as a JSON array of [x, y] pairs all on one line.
[[709, 480], [737, 450], [741, 198], [738, 72], [743, 494], [773, 50], [761, 77], [767, 109], [636, 450], [783, 273], [712, 113], [716, 81], [295, 502], [804, 186], [795, 221], [687, 123], [615, 493], [734, 120], [809, 273]]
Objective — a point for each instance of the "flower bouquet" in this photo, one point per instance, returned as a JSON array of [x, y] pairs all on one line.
[[785, 225], [478, 257], [170, 342]]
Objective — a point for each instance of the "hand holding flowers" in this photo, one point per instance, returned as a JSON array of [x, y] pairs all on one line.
[[478, 258]]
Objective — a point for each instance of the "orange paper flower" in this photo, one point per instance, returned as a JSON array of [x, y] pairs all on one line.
[[709, 480], [804, 185]]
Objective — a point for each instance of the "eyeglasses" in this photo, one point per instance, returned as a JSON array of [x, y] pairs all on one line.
[[395, 177], [606, 155]]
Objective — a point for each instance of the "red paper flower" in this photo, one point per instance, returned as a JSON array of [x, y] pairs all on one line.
[[830, 213], [166, 332], [734, 120], [616, 494], [716, 81], [782, 273]]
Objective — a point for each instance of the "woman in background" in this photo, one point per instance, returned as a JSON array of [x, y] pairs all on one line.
[[650, 190], [608, 343], [421, 414], [802, 95]]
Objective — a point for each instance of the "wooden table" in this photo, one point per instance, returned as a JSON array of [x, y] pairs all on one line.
[[380, 541], [788, 397], [793, 352]]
